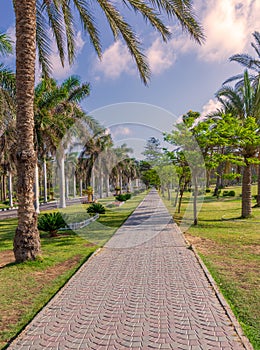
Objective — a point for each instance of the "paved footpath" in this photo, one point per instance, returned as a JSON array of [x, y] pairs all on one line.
[[143, 290]]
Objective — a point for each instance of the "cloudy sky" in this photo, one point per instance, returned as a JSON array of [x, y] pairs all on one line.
[[184, 75]]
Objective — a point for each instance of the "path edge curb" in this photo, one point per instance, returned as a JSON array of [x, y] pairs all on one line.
[[244, 340]]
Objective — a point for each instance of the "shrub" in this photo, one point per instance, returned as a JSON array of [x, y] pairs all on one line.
[[127, 196], [123, 197], [51, 222], [96, 208], [208, 190], [120, 198], [231, 193]]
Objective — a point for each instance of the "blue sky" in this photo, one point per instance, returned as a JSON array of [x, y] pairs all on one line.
[[184, 75]]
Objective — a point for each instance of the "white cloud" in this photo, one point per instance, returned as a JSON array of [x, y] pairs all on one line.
[[161, 56], [228, 26], [211, 106], [116, 60], [120, 131]]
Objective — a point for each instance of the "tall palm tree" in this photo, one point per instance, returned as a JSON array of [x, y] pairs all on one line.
[[253, 65], [243, 102], [32, 14], [26, 240], [56, 110]]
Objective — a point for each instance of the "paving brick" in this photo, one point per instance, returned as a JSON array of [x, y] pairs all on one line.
[[144, 290]]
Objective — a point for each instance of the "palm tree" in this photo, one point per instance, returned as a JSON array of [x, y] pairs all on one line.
[[253, 65], [56, 110], [26, 240], [249, 62], [7, 117], [94, 146], [32, 14], [243, 102]]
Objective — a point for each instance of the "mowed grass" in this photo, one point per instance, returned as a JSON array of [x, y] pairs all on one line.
[[25, 288], [230, 248]]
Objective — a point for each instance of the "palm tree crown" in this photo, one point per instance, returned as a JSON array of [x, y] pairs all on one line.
[[59, 16]]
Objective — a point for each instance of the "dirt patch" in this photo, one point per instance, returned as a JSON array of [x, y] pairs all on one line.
[[89, 244], [6, 257], [203, 245], [51, 273]]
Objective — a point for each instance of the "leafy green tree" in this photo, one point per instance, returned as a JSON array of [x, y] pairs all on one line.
[[244, 103], [153, 151], [186, 138], [253, 65], [151, 178]]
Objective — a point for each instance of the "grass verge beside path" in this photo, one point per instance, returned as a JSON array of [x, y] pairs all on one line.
[[25, 288], [231, 251]]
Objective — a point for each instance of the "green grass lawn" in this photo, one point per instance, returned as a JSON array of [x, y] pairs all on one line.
[[230, 248], [25, 288]]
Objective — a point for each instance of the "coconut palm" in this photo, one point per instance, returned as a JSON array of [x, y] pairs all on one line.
[[243, 102], [41, 14]]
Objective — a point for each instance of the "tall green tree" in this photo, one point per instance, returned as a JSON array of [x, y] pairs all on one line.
[[187, 138], [42, 14], [243, 102], [253, 65]]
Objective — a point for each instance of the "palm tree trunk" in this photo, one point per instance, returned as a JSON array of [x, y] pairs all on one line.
[[80, 187], [10, 189], [45, 181], [246, 191], [26, 240], [74, 185], [107, 185], [36, 190], [61, 164], [101, 185], [258, 187], [4, 187], [195, 212]]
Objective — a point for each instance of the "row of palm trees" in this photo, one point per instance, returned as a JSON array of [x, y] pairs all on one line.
[[56, 113], [34, 20]]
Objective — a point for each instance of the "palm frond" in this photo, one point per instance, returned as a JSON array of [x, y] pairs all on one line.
[[7, 80], [119, 25], [69, 29], [78, 94], [5, 45], [150, 16], [43, 41], [57, 25], [182, 10], [89, 25]]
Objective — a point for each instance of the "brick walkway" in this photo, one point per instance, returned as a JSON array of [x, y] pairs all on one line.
[[143, 290]]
